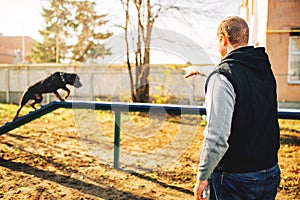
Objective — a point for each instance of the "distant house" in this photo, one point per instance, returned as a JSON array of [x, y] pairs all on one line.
[[15, 49], [275, 24]]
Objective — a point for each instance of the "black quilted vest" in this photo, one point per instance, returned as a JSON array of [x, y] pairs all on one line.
[[254, 138]]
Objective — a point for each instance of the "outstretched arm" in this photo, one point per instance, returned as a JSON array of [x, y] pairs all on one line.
[[190, 71]]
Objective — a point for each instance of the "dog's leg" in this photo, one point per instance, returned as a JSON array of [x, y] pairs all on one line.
[[58, 96], [68, 93], [18, 111], [23, 100], [38, 99], [33, 105]]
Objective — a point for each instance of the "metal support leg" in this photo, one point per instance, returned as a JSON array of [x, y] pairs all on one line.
[[117, 139]]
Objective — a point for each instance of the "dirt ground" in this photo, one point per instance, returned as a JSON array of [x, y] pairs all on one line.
[[62, 156]]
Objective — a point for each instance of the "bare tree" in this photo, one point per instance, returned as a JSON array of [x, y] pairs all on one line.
[[142, 14]]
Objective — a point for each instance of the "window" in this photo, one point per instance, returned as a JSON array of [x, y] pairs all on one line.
[[294, 58]]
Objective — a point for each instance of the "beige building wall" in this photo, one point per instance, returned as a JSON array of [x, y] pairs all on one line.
[[283, 16]]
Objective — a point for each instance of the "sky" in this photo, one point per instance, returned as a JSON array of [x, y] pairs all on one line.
[[23, 17], [20, 17]]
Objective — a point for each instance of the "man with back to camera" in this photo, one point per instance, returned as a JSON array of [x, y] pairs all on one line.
[[241, 138]]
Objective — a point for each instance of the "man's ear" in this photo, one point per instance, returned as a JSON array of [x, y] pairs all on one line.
[[223, 39]]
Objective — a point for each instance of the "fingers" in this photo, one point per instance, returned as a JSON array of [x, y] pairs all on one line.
[[199, 197], [199, 188]]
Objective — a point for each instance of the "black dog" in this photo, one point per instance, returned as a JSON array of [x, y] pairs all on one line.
[[52, 83]]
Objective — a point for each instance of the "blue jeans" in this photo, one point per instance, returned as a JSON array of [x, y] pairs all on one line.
[[259, 185]]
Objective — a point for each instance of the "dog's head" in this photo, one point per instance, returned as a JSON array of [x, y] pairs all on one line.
[[72, 79]]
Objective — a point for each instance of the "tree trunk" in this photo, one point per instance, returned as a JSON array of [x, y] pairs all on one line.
[[143, 87], [133, 95]]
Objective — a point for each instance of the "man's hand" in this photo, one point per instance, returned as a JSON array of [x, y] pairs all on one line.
[[191, 71], [199, 188]]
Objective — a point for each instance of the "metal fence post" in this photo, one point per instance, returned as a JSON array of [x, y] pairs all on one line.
[[117, 139]]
